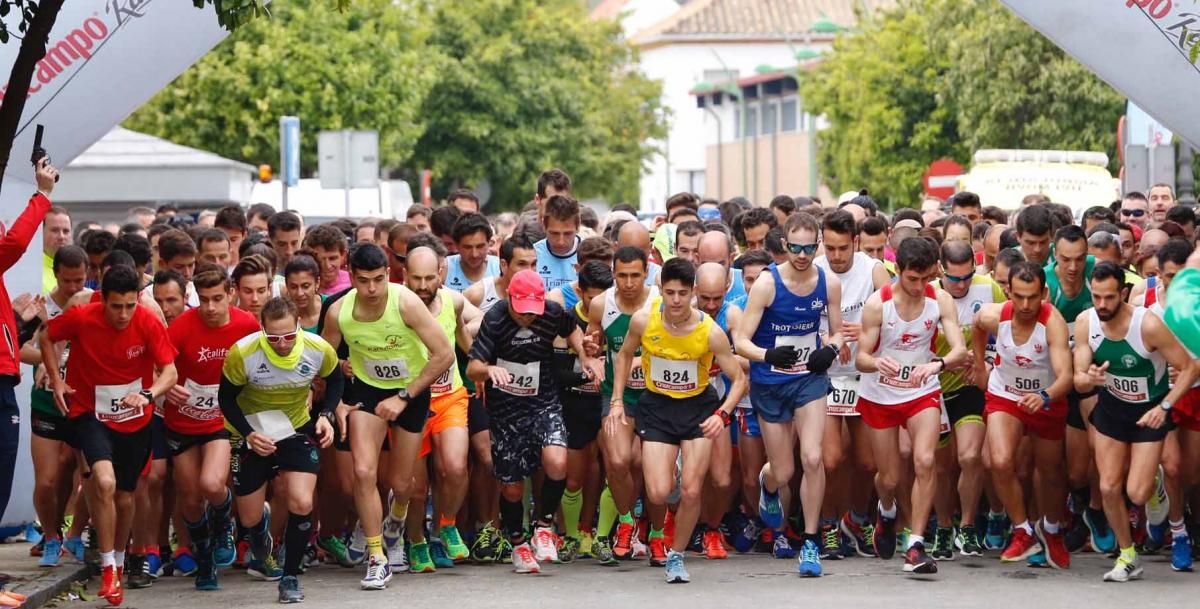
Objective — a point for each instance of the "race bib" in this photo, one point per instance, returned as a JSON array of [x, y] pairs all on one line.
[[443, 384], [526, 378], [386, 369], [1024, 384], [637, 376], [593, 385], [1127, 388], [109, 406], [804, 344], [674, 375], [202, 404], [843, 398], [908, 363]]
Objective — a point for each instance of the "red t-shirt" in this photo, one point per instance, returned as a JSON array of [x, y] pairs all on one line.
[[107, 364], [202, 353]]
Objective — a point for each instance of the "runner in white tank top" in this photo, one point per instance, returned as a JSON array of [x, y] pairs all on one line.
[[899, 387], [1026, 395], [860, 276]]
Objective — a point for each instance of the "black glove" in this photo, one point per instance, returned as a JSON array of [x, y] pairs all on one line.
[[820, 360], [781, 357]]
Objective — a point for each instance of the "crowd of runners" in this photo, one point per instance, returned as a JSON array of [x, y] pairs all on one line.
[[242, 393]]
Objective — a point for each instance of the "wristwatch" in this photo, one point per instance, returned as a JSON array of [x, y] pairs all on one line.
[[146, 393], [403, 394], [725, 418], [942, 362], [1166, 405], [1045, 399]]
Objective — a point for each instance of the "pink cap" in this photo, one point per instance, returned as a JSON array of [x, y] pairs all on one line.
[[527, 293]]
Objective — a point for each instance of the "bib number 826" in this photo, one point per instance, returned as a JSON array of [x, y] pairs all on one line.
[[387, 372]]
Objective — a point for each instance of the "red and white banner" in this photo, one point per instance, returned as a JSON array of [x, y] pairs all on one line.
[[1140, 47]]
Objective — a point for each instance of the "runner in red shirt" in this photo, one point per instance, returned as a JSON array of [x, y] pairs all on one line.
[[196, 434], [108, 395]]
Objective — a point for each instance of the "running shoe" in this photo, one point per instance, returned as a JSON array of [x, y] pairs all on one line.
[[441, 559], [967, 541], [568, 550], [744, 541], [378, 574], [289, 590], [860, 538], [487, 545], [1077, 534], [419, 560], [36, 549], [335, 549], [766, 540], [523, 560], [224, 544], [623, 546], [602, 550], [242, 554], [640, 550], [267, 569], [356, 548], [51, 551], [545, 545], [668, 530], [393, 531], [586, 540], [917, 561], [902, 537], [782, 548], [810, 559], [312, 555], [884, 538], [696, 543], [76, 548], [1038, 561], [154, 565], [1181, 553], [1022, 545], [831, 541], [1124, 570], [769, 507], [1054, 546], [397, 556], [185, 563], [658, 551], [139, 572], [1103, 540], [206, 575], [714, 546], [455, 548], [676, 573], [1158, 506], [110, 586], [997, 529], [943, 544]]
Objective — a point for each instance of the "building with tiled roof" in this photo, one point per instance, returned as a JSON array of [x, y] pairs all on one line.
[[724, 41]]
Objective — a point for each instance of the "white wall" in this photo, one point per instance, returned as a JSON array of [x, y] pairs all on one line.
[[680, 67]]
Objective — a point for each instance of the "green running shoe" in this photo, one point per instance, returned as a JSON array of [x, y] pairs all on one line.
[[943, 544], [336, 550], [419, 560], [487, 547], [441, 559], [967, 541], [568, 551], [602, 550], [455, 548]]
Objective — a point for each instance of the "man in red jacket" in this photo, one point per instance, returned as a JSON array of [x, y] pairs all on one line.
[[13, 244]]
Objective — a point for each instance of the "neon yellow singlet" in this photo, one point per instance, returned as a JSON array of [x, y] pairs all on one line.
[[450, 380], [384, 353], [676, 366]]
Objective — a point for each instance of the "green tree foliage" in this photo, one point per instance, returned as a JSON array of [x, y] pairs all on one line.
[[362, 68], [943, 78], [525, 85], [472, 89]]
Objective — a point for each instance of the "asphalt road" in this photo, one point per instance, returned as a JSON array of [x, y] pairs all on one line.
[[758, 579]]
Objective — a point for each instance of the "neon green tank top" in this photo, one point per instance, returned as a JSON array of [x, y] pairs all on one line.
[[450, 380], [384, 353]]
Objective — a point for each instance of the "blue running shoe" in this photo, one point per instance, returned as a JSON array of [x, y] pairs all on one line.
[[744, 541], [224, 544], [76, 548], [441, 559], [154, 565], [769, 507], [1156, 535], [53, 548], [185, 564], [1038, 561], [1181, 553], [782, 548], [810, 559], [993, 538], [676, 574], [206, 577], [1103, 540]]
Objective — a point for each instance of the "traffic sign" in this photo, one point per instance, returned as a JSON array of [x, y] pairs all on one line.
[[941, 178]]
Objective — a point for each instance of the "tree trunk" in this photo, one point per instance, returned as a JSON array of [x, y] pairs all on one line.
[[33, 49]]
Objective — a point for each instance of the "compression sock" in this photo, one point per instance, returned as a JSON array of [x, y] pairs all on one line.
[[295, 541], [512, 520], [608, 514], [551, 497], [572, 506]]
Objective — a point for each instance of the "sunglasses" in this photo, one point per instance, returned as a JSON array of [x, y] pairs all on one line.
[[1136, 213], [958, 278], [275, 339], [807, 250]]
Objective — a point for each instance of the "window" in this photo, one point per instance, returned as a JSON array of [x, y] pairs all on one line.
[[770, 110], [695, 182], [790, 112], [751, 126]]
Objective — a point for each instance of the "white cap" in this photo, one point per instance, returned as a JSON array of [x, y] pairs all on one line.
[[847, 196]]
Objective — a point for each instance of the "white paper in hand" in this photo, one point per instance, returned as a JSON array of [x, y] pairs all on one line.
[[273, 424]]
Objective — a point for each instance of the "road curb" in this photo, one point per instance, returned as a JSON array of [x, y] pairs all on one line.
[[43, 588]]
